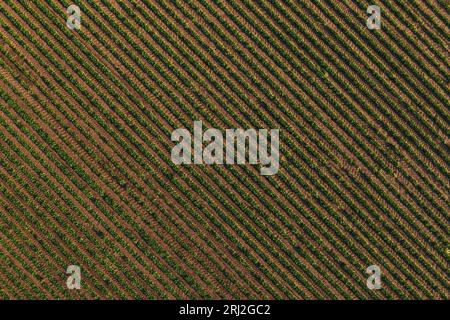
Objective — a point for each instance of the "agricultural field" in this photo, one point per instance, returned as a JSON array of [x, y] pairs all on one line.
[[93, 206]]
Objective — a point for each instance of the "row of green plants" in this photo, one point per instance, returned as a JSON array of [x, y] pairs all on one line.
[[11, 285], [429, 199], [29, 289], [389, 54], [349, 88], [184, 82], [427, 37], [294, 160], [69, 161], [384, 167], [418, 56], [140, 133], [72, 215]]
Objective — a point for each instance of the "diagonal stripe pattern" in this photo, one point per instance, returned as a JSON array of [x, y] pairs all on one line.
[[86, 176]]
